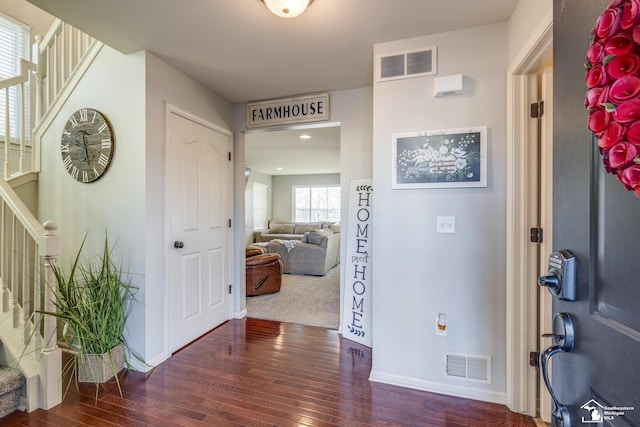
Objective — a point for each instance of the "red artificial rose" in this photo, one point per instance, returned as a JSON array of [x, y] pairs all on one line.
[[596, 76], [630, 14], [627, 112], [598, 121], [630, 177], [612, 135], [608, 23], [621, 154], [595, 54], [635, 34], [633, 134], [624, 89], [624, 65], [592, 98], [620, 44]]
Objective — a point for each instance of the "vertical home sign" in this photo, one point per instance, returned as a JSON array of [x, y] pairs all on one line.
[[356, 312]]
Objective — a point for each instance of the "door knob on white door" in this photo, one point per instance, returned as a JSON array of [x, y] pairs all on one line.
[[178, 244]]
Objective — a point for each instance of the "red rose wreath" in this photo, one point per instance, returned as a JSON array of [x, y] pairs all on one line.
[[613, 97]]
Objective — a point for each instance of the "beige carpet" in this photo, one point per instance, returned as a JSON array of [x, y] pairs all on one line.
[[307, 300]]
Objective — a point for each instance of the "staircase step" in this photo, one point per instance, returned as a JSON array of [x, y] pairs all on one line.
[[11, 383]]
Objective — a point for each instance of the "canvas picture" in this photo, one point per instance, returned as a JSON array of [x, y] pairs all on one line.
[[440, 158]]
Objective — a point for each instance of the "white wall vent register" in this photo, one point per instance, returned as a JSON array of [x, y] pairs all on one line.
[[407, 64], [472, 367]]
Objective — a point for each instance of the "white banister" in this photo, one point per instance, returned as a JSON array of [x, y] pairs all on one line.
[[22, 161], [15, 285], [3, 262], [7, 135], [53, 246]]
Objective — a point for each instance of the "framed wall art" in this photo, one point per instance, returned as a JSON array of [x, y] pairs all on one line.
[[447, 158]]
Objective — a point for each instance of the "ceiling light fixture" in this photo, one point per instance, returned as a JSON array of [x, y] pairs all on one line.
[[287, 8], [305, 136]]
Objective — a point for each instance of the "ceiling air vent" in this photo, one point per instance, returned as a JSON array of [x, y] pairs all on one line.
[[471, 367], [405, 65]]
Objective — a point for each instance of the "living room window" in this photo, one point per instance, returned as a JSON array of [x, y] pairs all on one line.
[[316, 203], [14, 44]]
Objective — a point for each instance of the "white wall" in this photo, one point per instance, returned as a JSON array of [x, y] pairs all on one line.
[[418, 273], [116, 202], [37, 19], [527, 15], [283, 191]]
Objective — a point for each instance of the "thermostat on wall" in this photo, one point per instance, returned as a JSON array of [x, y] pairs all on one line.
[[447, 85]]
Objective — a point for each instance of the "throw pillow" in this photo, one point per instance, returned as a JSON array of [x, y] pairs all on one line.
[[316, 236], [303, 227], [281, 229]]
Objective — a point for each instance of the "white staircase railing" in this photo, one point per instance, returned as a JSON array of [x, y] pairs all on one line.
[[27, 284], [27, 248]]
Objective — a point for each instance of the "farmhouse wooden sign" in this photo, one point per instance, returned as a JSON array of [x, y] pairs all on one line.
[[286, 111]]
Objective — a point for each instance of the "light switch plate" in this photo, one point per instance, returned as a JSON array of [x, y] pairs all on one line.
[[445, 224]]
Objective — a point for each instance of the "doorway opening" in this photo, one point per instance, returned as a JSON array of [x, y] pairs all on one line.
[[292, 190]]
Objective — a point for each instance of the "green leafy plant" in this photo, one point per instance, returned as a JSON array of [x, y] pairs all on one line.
[[93, 301]]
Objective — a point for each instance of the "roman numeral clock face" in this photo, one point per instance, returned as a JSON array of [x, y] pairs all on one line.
[[87, 145]]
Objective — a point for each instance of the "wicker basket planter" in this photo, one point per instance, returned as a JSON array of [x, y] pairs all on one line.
[[100, 368]]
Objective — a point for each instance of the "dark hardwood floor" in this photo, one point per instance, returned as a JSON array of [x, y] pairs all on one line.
[[260, 373]]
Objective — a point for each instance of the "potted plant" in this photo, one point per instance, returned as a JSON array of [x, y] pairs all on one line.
[[93, 301]]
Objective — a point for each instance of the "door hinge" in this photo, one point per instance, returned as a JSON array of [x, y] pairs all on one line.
[[535, 235], [229, 222], [537, 110], [533, 358], [230, 286], [229, 155]]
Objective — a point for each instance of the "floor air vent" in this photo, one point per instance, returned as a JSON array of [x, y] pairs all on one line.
[[471, 367], [404, 65]]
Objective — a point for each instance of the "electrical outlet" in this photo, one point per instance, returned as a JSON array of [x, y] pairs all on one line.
[[446, 224]]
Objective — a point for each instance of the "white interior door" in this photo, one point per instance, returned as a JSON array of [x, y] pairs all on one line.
[[199, 174]]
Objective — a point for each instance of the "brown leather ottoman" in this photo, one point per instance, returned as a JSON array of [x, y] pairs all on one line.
[[264, 274], [252, 251]]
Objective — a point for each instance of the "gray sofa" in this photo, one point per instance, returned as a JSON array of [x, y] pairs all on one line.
[[316, 253], [287, 230]]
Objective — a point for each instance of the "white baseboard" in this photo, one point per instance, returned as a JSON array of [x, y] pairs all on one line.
[[240, 314], [441, 388]]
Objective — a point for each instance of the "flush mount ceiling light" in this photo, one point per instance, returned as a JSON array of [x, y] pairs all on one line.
[[287, 8]]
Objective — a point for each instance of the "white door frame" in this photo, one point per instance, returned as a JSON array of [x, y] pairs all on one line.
[[521, 294]]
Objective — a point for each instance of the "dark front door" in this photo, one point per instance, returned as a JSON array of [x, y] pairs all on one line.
[[599, 222]]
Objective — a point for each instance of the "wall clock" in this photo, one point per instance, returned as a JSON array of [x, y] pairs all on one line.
[[87, 145]]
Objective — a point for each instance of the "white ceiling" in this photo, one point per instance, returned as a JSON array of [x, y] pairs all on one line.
[[241, 51]]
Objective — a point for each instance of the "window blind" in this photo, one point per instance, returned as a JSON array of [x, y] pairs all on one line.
[[14, 44]]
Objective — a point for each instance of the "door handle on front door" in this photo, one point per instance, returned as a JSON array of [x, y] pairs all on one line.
[[178, 244], [561, 276], [563, 338]]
